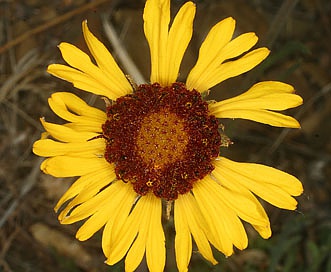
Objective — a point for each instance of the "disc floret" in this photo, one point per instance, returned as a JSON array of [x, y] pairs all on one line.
[[161, 139]]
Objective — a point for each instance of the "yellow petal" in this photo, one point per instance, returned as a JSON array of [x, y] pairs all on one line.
[[263, 116], [85, 127], [187, 208], [51, 148], [78, 59], [137, 250], [267, 87], [270, 184], [81, 61], [264, 231], [119, 216], [73, 190], [91, 183], [155, 244], [65, 166], [231, 69], [199, 232], [86, 193], [218, 223], [106, 62], [233, 225], [96, 203], [81, 80], [209, 52], [121, 239], [276, 102], [105, 243], [66, 134], [94, 223], [106, 212], [244, 203], [180, 35], [238, 46], [167, 47], [183, 241], [145, 214], [71, 108], [156, 22], [256, 103]]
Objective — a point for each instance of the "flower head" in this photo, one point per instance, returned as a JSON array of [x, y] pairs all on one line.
[[160, 142]]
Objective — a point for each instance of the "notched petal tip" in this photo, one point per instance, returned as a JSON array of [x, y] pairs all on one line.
[[64, 45], [229, 19], [42, 121], [44, 166], [292, 206], [189, 4], [298, 126], [213, 262], [263, 52], [109, 262], [37, 148], [294, 123], [297, 187], [192, 3], [264, 231], [51, 68], [85, 28], [299, 99]]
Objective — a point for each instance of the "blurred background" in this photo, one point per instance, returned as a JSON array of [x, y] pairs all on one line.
[[299, 36]]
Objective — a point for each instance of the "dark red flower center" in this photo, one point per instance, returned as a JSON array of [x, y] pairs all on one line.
[[161, 139]]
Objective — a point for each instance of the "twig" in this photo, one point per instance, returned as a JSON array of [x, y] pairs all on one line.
[[7, 243], [277, 25], [326, 89], [279, 21], [121, 53], [5, 266], [24, 115], [325, 18], [302, 150], [50, 24], [28, 62], [29, 183]]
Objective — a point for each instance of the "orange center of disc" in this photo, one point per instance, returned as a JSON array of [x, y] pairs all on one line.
[[161, 139]]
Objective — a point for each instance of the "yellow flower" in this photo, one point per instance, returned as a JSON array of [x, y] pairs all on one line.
[[160, 143]]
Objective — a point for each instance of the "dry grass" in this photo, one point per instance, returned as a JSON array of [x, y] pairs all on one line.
[[299, 34]]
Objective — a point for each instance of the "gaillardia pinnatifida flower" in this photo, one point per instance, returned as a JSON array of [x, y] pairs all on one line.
[[160, 142]]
